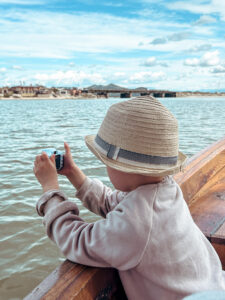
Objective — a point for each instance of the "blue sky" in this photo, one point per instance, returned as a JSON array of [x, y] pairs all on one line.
[[159, 44]]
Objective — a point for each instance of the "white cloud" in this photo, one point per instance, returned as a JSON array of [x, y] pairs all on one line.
[[210, 59], [15, 67], [200, 7], [218, 69], [112, 4], [150, 62], [189, 6], [146, 77], [174, 37], [199, 48], [69, 78], [191, 62], [60, 35], [203, 20], [2, 70], [207, 60], [179, 36], [158, 41], [119, 75]]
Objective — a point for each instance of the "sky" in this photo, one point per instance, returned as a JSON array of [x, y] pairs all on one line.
[[157, 44]]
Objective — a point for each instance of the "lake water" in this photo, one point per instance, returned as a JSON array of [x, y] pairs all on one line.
[[27, 256]]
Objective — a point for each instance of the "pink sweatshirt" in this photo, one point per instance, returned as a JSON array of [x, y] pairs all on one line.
[[147, 234]]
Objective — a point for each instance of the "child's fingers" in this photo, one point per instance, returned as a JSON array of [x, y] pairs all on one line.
[[52, 158], [67, 149], [44, 156], [37, 158]]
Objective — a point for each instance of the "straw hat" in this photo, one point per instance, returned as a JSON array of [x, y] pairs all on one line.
[[138, 136]]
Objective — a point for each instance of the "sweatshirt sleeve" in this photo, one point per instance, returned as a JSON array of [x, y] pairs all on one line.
[[117, 241], [99, 198]]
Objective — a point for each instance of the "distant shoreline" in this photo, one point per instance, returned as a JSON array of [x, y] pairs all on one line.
[[39, 92], [179, 95], [199, 94], [50, 98]]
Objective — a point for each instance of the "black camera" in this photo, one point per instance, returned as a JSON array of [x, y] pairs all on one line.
[[58, 157]]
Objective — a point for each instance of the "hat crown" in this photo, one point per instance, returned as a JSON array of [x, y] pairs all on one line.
[[141, 125]]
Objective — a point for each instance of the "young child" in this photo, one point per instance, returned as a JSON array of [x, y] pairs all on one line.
[[147, 232]]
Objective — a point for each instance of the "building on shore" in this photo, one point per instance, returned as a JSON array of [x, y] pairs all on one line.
[[95, 91], [75, 92], [24, 91]]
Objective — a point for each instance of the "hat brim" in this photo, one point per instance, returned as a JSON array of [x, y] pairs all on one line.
[[151, 170]]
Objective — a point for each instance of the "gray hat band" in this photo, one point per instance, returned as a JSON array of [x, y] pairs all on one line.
[[113, 152]]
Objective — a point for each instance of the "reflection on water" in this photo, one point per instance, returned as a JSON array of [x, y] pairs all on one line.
[[26, 127]]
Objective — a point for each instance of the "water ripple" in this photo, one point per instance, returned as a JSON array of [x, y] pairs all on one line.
[[29, 126]]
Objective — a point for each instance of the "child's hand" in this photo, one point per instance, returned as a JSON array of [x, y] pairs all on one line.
[[45, 172], [71, 170], [68, 163]]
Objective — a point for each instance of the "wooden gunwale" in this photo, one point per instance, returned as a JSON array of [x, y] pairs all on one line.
[[200, 169], [75, 281], [203, 186]]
